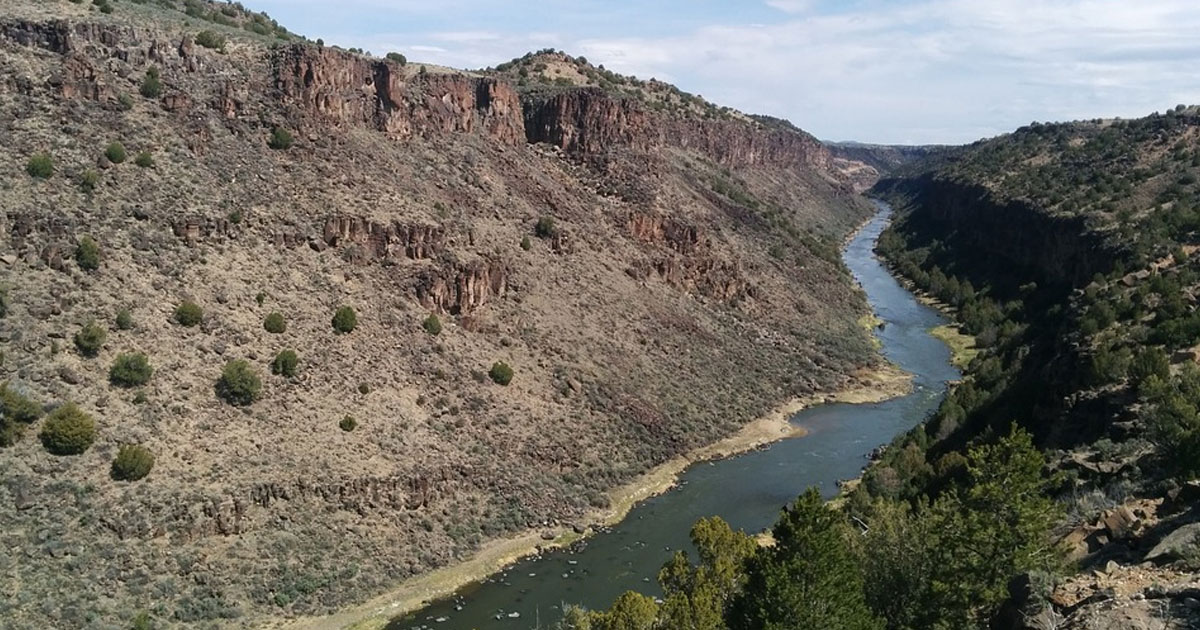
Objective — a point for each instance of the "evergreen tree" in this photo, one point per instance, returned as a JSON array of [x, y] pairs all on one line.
[[995, 527], [809, 580], [695, 597]]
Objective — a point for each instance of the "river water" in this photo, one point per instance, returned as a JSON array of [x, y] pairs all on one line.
[[747, 491]]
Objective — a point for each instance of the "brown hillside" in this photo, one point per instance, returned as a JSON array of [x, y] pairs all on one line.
[[684, 280]]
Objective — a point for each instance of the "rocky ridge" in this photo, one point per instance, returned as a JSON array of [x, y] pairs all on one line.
[[684, 288]]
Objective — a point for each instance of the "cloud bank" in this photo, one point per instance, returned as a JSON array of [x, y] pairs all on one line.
[[895, 71]]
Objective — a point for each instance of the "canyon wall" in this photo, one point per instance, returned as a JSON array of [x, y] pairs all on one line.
[[1016, 236]]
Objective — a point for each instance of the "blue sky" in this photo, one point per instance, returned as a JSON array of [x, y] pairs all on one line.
[[892, 71]]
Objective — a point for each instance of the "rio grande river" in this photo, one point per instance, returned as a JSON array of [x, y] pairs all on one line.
[[747, 491]]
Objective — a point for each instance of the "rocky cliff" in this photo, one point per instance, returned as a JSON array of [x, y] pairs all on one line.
[[644, 309], [591, 122], [1010, 236]]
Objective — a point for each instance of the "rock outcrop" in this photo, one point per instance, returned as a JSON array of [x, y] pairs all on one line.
[[460, 289], [408, 240], [328, 86], [591, 123]]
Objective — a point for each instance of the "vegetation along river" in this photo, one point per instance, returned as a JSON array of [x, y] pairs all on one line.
[[748, 491]]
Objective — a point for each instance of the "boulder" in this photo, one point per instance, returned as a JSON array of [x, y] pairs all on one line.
[[1174, 546]]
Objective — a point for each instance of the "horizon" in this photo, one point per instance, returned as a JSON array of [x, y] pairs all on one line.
[[910, 72]]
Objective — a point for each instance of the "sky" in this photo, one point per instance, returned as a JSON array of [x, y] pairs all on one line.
[[885, 71]]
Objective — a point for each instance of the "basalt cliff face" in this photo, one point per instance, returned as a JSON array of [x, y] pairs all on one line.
[[653, 280], [593, 123]]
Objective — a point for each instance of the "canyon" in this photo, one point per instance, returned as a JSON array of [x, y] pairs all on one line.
[[655, 278]]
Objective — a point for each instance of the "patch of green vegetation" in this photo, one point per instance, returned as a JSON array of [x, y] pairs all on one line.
[[133, 462], [962, 347], [17, 410], [274, 323], [432, 324], [211, 39], [40, 166], [348, 424], [88, 181], [87, 254], [239, 384], [115, 152], [281, 139], [130, 369], [124, 319], [144, 160], [68, 431], [90, 339], [286, 364], [152, 85], [501, 373], [545, 228], [345, 320], [188, 314]]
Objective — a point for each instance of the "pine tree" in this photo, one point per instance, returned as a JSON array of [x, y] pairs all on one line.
[[809, 580]]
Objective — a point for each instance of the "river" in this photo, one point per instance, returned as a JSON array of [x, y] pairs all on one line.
[[747, 491]]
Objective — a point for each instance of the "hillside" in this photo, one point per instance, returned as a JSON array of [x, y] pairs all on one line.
[[654, 278], [1056, 484], [1066, 249]]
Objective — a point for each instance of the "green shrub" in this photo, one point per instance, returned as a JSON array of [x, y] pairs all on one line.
[[142, 621], [68, 431], [285, 363], [124, 319], [188, 313], [17, 406], [144, 159], [239, 384], [432, 325], [398, 58], [274, 323], [364, 389], [90, 339], [130, 370], [115, 153], [526, 244], [501, 373], [152, 86], [345, 320], [40, 166], [125, 101], [89, 180], [281, 139], [16, 411], [211, 39], [348, 424], [545, 227], [87, 254], [133, 462]]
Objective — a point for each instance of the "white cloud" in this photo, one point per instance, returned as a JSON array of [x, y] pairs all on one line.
[[940, 70], [791, 6], [875, 70]]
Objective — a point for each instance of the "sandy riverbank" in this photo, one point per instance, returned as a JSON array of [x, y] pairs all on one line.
[[866, 386]]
